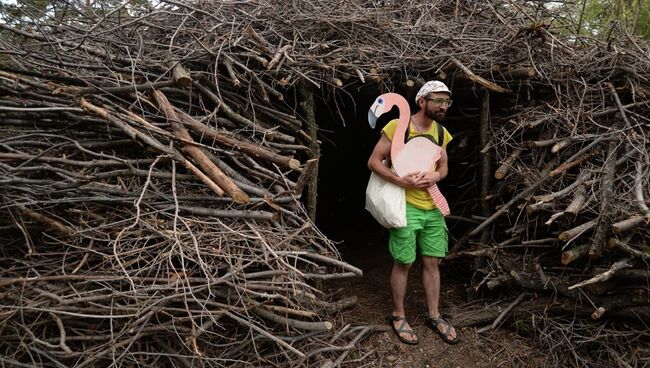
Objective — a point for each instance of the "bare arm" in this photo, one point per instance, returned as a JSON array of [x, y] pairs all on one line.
[[382, 152]]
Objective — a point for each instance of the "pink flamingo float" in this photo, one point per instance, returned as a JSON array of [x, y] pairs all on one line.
[[419, 153]]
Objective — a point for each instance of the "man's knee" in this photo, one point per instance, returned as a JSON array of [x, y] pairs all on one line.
[[430, 262], [402, 267]]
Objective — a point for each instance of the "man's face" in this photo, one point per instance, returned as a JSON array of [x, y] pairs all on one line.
[[434, 107]]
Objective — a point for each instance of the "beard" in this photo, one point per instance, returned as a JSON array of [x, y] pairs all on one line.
[[436, 115]]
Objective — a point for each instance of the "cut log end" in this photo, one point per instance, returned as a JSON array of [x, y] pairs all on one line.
[[294, 164], [574, 254], [240, 197], [181, 76], [557, 147], [598, 313], [184, 81]]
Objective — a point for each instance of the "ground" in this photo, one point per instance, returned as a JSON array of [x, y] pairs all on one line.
[[502, 348]]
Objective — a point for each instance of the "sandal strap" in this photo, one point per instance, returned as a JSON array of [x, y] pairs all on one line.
[[439, 320], [435, 321], [401, 329], [447, 332]]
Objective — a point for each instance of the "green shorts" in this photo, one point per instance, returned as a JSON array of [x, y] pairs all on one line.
[[425, 229]]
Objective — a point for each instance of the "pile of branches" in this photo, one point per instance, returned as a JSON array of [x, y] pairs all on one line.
[[564, 226], [154, 155], [151, 212]]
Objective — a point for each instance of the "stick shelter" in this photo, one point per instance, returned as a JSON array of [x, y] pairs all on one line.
[[181, 183]]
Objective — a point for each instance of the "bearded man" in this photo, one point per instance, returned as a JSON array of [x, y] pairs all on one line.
[[426, 230]]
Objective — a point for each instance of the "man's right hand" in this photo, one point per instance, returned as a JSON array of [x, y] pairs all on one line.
[[409, 180]]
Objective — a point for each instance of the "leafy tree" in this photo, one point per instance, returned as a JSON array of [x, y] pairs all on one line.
[[595, 17]]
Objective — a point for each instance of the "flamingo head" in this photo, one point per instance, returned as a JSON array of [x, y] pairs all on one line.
[[383, 104], [378, 108]]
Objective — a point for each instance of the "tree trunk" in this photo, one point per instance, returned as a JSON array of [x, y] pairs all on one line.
[[306, 99]]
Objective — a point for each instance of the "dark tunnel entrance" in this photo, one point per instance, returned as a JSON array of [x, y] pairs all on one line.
[[347, 141]]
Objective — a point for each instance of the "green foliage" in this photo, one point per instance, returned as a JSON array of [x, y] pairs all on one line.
[[597, 17]]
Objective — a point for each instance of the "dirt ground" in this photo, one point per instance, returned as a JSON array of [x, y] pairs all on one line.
[[502, 348]]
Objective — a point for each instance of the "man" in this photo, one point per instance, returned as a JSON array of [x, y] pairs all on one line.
[[426, 229]]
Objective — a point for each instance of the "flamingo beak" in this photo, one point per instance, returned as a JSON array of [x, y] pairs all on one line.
[[372, 119], [375, 111]]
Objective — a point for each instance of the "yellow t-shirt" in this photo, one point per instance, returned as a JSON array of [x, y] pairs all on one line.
[[418, 197]]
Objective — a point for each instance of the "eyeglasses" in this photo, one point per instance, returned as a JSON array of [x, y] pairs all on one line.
[[440, 101]]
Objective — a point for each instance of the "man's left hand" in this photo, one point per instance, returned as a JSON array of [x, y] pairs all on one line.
[[426, 179]]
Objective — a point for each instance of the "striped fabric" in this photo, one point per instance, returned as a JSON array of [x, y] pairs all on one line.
[[439, 199]]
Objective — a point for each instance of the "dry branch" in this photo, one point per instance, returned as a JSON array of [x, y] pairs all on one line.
[[480, 80], [199, 156], [624, 263], [576, 231], [502, 171]]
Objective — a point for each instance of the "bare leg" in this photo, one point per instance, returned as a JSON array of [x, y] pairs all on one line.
[[398, 284], [431, 282]]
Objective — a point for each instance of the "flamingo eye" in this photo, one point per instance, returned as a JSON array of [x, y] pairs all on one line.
[[380, 100]]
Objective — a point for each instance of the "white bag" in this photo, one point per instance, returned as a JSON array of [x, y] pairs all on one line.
[[386, 202]]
